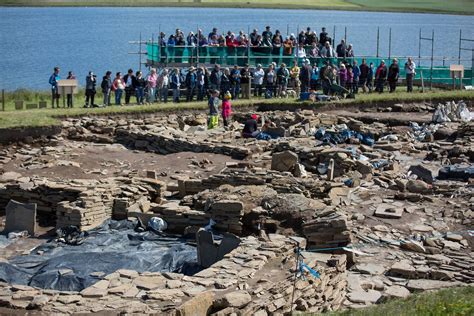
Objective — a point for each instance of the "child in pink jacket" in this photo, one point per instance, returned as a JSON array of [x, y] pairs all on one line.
[[226, 108]]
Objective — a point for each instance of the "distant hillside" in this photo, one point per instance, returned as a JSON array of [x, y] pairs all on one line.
[[423, 6]]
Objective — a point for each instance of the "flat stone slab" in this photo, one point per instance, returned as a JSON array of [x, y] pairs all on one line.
[[370, 268], [20, 217], [424, 285], [371, 296], [388, 211]]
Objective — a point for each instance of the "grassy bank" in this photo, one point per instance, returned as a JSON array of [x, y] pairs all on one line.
[[421, 6], [447, 302], [49, 116]]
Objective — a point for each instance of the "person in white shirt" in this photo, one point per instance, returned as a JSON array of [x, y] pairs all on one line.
[[410, 71], [258, 75]]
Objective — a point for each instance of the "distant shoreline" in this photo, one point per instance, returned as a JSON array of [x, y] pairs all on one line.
[[238, 4]]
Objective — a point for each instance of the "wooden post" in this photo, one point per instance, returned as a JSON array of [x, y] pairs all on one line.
[[378, 39], [3, 100]]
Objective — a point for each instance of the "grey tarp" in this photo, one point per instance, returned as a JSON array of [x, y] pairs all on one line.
[[112, 246]]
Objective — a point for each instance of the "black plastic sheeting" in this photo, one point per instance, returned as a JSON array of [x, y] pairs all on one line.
[[112, 246]]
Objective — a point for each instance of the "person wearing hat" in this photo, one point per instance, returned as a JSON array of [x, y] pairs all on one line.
[[226, 108], [213, 103], [191, 80], [91, 81], [305, 76], [380, 77], [53, 81]]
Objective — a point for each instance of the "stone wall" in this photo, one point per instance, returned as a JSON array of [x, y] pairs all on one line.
[[85, 203], [254, 279]]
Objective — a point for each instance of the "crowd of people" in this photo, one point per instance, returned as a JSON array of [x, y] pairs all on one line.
[[304, 44], [240, 82], [301, 72]]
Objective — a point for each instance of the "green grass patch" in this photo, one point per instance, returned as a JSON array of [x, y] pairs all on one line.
[[446, 302], [49, 116], [429, 6]]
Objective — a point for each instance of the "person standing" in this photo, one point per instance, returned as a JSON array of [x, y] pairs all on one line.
[[305, 76], [175, 84], [70, 76], [151, 81], [380, 77], [314, 77], [140, 84], [245, 82], [91, 81], [235, 79], [392, 77], [191, 80], [129, 80], [225, 82], [295, 76], [201, 83], [410, 70], [215, 78], [364, 73], [342, 75], [341, 49], [323, 36], [327, 51], [213, 103], [226, 109], [118, 86], [162, 85], [106, 86], [53, 81], [356, 73], [258, 76], [282, 78], [370, 77], [270, 79]]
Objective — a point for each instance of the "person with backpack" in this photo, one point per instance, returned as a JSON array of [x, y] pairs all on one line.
[[175, 84], [130, 89], [118, 86], [140, 85], [283, 76], [191, 81], [91, 81], [53, 81], [106, 86]]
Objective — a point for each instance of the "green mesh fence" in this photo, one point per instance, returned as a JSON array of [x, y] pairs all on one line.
[[266, 55]]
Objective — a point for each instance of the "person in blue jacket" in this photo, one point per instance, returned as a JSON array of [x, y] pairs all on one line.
[[175, 84], [53, 81], [356, 72]]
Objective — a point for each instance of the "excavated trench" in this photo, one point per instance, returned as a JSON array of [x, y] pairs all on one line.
[[99, 172]]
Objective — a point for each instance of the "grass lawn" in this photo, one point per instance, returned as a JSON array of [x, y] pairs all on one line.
[[49, 116], [447, 302], [432, 6]]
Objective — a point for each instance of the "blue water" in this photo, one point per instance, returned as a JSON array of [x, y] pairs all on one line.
[[34, 40]]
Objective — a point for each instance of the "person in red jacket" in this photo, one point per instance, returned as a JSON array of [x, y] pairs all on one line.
[[226, 108]]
